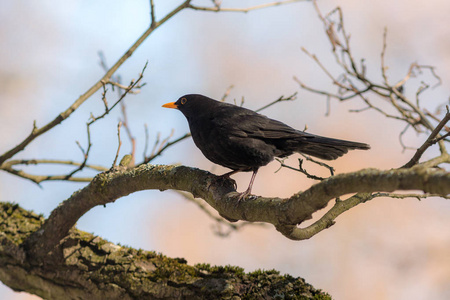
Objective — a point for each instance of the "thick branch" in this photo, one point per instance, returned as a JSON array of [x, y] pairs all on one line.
[[93, 268], [221, 195]]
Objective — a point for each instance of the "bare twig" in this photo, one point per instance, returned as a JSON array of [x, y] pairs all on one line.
[[152, 14], [136, 89], [219, 221], [353, 82], [40, 178], [302, 170], [104, 100], [128, 131], [11, 163], [320, 163], [118, 146], [8, 166], [227, 92], [432, 139], [218, 8], [400, 138], [407, 195], [130, 87], [441, 138], [85, 153], [383, 55], [155, 145], [146, 140], [280, 99], [164, 146], [323, 68], [328, 219]]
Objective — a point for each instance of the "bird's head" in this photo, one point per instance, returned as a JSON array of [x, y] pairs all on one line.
[[192, 104]]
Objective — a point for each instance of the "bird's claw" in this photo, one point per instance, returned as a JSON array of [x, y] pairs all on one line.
[[245, 195]]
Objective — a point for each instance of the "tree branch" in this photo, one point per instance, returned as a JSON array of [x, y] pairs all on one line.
[[221, 195], [432, 139], [93, 268]]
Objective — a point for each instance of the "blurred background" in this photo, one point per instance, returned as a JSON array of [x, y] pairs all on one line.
[[384, 249]]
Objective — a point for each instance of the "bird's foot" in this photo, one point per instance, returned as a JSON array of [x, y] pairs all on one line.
[[242, 196]]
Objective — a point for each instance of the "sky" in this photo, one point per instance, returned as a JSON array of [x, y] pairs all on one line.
[[383, 249]]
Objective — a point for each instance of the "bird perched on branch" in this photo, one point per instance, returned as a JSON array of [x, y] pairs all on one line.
[[243, 140]]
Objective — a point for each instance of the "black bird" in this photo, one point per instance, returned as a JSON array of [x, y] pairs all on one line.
[[243, 140]]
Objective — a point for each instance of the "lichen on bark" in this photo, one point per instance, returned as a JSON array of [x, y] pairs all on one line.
[[93, 268]]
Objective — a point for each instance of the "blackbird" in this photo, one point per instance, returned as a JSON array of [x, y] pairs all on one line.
[[243, 140]]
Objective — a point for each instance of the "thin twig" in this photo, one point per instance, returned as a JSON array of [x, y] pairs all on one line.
[[320, 163], [40, 178], [85, 153], [280, 99], [404, 196], [155, 145], [119, 144], [167, 145], [432, 139], [219, 221], [11, 163], [383, 55], [217, 8], [152, 14], [125, 93], [302, 170], [227, 92], [146, 140], [128, 131], [328, 219], [136, 89], [104, 100]]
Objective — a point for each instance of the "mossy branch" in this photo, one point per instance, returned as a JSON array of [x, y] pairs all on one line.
[[92, 268]]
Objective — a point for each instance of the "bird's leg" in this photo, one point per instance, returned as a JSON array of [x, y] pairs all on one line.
[[249, 189]]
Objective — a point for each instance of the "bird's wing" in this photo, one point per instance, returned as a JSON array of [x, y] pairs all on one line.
[[253, 125]]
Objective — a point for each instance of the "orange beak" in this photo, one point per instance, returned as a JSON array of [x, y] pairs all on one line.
[[170, 105]]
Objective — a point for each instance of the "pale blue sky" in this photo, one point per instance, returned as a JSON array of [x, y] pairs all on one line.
[[49, 57]]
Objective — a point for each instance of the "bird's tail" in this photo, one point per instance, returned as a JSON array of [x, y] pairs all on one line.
[[326, 148]]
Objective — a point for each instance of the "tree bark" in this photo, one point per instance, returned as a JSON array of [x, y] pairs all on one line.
[[92, 268], [284, 214]]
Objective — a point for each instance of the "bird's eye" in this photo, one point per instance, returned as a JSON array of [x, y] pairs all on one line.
[[183, 100]]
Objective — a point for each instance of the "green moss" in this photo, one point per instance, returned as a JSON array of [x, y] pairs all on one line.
[[17, 223], [141, 272], [203, 266], [322, 296], [260, 272], [220, 270]]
